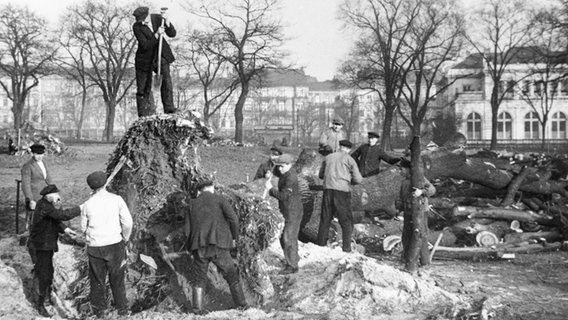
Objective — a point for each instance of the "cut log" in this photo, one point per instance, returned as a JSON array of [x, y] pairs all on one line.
[[503, 214], [549, 236], [514, 186], [477, 253]]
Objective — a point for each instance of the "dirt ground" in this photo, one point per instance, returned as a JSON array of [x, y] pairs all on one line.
[[533, 286]]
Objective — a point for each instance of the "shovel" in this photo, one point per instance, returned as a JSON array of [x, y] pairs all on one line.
[[157, 82]]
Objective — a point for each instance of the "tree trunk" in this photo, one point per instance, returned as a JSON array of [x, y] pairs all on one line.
[[82, 115], [239, 112], [494, 113], [475, 253], [549, 236], [514, 186], [387, 126], [109, 122], [18, 111], [503, 214]]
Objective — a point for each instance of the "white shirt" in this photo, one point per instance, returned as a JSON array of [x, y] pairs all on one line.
[[105, 219], [42, 167]]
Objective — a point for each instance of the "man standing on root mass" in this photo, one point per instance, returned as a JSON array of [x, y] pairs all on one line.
[[149, 30]]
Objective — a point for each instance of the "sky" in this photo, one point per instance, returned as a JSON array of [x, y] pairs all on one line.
[[316, 40]]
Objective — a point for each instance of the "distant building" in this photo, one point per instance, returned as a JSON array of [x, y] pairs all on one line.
[[523, 84]]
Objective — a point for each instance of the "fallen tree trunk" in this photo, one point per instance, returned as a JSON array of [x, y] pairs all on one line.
[[514, 186], [549, 236], [443, 163], [502, 214]]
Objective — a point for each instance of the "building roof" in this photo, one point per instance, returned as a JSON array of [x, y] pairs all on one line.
[[328, 85], [284, 78], [518, 55]]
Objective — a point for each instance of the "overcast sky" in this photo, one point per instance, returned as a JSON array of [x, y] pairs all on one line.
[[316, 39]]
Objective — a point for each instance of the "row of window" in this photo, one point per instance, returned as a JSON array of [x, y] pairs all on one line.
[[532, 127]]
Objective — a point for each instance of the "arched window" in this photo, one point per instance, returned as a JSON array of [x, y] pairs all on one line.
[[559, 126], [504, 126], [474, 126], [531, 126]]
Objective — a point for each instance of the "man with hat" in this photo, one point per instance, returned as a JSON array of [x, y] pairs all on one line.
[[212, 230], [107, 225], [368, 156], [35, 176], [46, 225], [338, 172], [266, 169], [329, 139], [148, 29], [290, 204]]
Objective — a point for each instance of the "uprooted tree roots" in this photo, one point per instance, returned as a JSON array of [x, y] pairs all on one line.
[[162, 169]]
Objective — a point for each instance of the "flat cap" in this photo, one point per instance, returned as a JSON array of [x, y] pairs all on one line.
[[346, 143], [202, 184], [286, 158], [372, 134], [338, 120], [51, 188], [97, 179], [141, 13], [38, 148], [275, 150]]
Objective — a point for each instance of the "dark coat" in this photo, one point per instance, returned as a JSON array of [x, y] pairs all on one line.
[[211, 221], [145, 58], [288, 195], [46, 224], [369, 158], [264, 167], [33, 181]]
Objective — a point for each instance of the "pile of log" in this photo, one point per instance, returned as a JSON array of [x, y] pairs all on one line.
[[487, 205]]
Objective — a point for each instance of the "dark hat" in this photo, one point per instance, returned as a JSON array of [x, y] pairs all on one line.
[[202, 184], [372, 134], [96, 179], [275, 150], [141, 13], [337, 120], [51, 188], [284, 159], [38, 148], [346, 143]]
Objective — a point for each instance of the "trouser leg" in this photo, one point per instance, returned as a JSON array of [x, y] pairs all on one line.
[[166, 89], [326, 216], [117, 274], [289, 240], [342, 205], [144, 97], [97, 276], [228, 269], [43, 274]]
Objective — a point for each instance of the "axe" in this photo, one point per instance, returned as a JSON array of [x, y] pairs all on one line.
[[117, 168]]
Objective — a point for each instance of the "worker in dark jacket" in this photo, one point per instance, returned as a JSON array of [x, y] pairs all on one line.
[[266, 169], [147, 30], [368, 156], [212, 228], [290, 204], [44, 232]]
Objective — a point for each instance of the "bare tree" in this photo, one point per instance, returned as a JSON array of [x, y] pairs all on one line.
[[254, 37], [499, 28], [547, 65], [375, 62], [433, 41], [26, 51], [103, 29], [308, 118], [210, 69]]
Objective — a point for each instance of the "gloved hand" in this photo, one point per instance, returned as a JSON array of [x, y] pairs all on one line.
[[32, 205], [70, 232]]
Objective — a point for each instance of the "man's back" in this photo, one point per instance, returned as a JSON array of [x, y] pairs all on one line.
[[340, 169], [212, 222]]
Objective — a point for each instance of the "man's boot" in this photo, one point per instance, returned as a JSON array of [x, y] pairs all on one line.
[[197, 300], [238, 295], [41, 308]]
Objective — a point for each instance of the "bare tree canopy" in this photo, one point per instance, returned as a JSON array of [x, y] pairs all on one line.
[[497, 30], [103, 31], [25, 54], [254, 37]]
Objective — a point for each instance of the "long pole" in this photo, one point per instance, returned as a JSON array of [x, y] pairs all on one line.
[[18, 206]]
